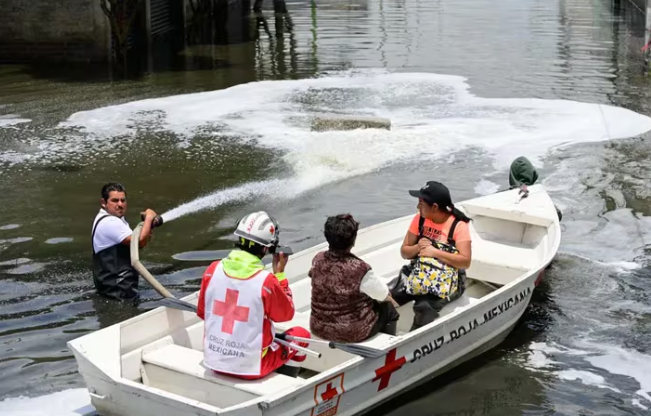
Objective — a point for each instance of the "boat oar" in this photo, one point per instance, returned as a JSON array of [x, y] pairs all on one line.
[[186, 306], [176, 303], [297, 347], [364, 351]]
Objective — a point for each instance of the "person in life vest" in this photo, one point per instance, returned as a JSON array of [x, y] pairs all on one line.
[[113, 275], [438, 243], [239, 301]]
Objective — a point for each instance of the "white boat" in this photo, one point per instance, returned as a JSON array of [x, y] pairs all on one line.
[[151, 365]]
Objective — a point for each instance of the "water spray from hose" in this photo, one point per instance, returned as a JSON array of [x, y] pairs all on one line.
[[224, 196]]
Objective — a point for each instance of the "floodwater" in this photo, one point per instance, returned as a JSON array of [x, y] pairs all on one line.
[[468, 86]]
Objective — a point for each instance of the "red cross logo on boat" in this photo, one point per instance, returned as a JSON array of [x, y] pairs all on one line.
[[390, 365], [229, 311], [329, 393], [327, 396]]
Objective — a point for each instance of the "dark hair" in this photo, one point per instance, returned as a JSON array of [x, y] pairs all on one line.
[[250, 247], [340, 231], [112, 187], [444, 201]]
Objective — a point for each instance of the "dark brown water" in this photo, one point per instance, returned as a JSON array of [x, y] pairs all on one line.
[[584, 346]]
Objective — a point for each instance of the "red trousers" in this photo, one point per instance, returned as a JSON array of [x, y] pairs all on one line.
[[278, 355]]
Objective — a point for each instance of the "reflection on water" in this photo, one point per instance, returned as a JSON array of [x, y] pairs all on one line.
[[571, 49]]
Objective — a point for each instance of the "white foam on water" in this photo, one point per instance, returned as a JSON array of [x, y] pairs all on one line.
[[622, 361], [587, 378], [637, 403], [432, 115], [15, 262], [611, 358], [617, 266], [486, 187], [615, 242], [73, 402], [538, 359], [11, 119], [9, 226]]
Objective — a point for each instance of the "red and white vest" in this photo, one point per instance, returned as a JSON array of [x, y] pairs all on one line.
[[234, 323]]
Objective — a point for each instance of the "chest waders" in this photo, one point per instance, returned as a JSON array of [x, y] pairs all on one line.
[[113, 275]]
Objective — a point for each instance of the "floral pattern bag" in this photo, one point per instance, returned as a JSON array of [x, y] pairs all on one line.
[[431, 276]]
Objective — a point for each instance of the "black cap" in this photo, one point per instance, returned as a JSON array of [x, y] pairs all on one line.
[[434, 193]]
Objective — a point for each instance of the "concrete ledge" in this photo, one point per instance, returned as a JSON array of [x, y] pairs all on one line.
[[328, 122]]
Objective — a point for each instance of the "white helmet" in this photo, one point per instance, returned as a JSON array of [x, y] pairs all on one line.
[[258, 227]]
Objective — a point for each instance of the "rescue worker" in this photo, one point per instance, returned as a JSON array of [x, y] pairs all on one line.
[[522, 174], [239, 301], [113, 275]]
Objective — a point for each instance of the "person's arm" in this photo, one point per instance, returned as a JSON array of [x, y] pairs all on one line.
[[145, 233], [409, 251], [376, 289], [276, 293], [205, 281], [463, 258], [460, 260], [410, 247], [277, 298]]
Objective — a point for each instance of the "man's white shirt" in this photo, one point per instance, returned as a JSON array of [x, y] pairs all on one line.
[[110, 231]]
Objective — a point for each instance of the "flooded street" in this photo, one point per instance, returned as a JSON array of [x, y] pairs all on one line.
[[467, 85]]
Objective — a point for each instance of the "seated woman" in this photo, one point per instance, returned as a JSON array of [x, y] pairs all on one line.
[[349, 302], [439, 245]]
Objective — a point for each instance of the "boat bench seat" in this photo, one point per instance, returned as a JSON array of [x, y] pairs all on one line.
[[514, 214], [190, 362], [330, 357]]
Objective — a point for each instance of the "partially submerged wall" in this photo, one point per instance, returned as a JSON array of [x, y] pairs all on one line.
[[61, 30]]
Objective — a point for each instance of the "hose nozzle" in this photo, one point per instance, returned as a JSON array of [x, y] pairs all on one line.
[[156, 222]]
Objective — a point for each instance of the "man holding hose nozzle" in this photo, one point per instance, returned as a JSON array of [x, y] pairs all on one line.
[[113, 275], [239, 301]]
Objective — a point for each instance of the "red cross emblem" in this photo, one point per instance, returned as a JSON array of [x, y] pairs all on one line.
[[329, 393], [229, 311], [390, 365]]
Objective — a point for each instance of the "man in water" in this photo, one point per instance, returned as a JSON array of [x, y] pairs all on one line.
[[239, 301], [522, 174], [113, 275]]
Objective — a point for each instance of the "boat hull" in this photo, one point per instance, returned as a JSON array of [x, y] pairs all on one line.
[[415, 358], [427, 353], [513, 243]]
